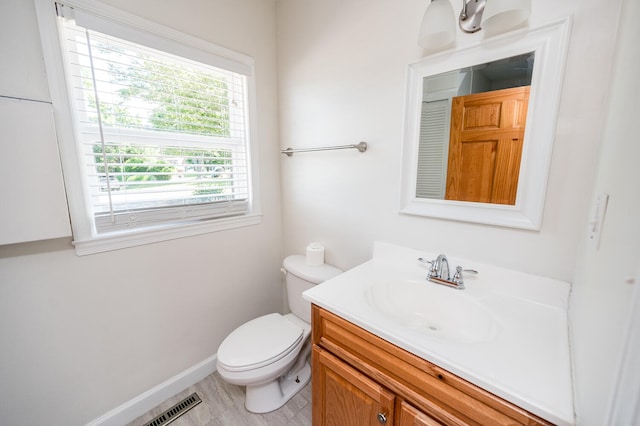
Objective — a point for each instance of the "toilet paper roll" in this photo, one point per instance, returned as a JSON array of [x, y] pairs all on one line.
[[315, 254]]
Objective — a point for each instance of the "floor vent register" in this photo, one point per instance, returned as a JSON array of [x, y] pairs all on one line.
[[176, 411]]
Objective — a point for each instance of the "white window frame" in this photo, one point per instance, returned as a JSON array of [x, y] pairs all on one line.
[[142, 31]]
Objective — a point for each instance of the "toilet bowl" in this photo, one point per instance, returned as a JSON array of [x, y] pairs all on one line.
[[269, 354]]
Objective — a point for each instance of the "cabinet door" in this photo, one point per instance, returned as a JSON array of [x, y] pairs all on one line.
[[411, 416], [33, 196], [345, 397]]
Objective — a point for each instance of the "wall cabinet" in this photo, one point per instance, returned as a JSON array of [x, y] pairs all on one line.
[[33, 194], [361, 379]]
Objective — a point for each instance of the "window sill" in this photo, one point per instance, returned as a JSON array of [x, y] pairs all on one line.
[[122, 240]]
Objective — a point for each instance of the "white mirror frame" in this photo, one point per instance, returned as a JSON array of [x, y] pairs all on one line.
[[550, 43]]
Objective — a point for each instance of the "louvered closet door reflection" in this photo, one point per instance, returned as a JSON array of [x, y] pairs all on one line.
[[433, 149]]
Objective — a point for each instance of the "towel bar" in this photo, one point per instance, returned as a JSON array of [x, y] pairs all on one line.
[[362, 147]]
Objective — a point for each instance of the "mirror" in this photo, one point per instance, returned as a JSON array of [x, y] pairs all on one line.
[[472, 124], [480, 182]]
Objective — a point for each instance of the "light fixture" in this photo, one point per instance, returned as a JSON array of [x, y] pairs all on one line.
[[495, 16], [502, 15], [438, 25], [471, 15]]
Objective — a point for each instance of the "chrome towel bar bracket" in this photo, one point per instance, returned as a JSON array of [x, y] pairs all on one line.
[[362, 147]]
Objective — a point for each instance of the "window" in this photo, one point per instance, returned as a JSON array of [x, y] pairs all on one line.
[[160, 130]]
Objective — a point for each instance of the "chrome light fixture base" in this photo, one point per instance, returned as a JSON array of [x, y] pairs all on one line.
[[471, 15]]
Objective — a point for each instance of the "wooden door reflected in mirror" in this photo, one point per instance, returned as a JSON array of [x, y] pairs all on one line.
[[485, 148]]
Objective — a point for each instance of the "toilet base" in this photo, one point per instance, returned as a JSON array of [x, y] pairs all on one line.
[[273, 395]]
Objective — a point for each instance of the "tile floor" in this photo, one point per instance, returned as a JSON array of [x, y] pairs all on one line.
[[223, 405]]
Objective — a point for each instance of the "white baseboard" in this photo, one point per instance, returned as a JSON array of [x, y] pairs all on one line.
[[144, 402]]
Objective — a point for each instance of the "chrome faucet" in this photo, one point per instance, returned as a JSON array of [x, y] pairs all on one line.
[[440, 268], [439, 272]]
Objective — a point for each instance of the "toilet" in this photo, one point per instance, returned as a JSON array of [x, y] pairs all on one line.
[[269, 354]]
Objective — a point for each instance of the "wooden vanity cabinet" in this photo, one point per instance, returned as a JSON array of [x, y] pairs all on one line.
[[348, 397], [361, 379], [411, 416]]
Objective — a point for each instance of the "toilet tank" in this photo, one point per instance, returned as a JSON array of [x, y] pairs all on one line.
[[300, 278]]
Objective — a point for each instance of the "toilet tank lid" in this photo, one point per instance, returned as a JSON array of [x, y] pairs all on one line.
[[297, 265]]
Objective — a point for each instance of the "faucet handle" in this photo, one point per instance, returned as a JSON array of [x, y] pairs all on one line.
[[433, 269], [423, 260], [458, 278]]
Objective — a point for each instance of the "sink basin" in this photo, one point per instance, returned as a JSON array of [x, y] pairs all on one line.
[[433, 309]]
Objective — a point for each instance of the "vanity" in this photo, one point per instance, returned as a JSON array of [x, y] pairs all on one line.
[[390, 347]]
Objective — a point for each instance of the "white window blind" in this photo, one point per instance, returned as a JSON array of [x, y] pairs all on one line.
[[162, 138]]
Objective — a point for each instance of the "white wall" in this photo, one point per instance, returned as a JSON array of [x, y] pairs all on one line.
[[81, 335], [341, 74], [601, 299]]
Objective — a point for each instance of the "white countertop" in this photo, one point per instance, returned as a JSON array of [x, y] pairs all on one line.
[[526, 359]]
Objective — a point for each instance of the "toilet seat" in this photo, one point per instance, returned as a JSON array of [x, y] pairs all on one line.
[[259, 342]]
